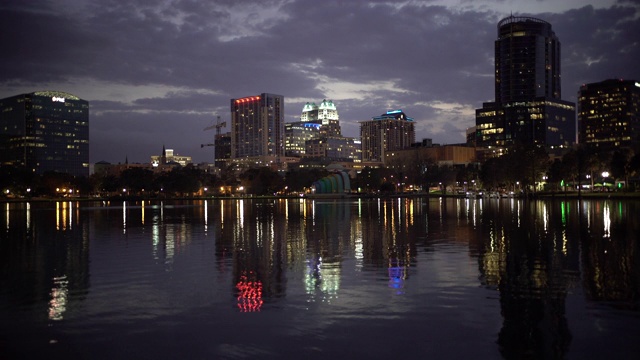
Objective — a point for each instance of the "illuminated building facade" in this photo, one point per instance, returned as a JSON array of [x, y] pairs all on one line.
[[390, 131], [528, 106], [169, 157], [257, 127], [297, 134], [318, 134], [335, 148], [45, 131], [441, 155], [326, 114], [309, 112], [609, 113]]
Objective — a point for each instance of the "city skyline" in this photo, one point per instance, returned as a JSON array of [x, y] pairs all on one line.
[[160, 74]]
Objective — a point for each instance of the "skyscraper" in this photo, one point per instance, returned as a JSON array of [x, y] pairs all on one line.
[[257, 127], [390, 131], [527, 60], [609, 114], [328, 115], [319, 135], [528, 107], [325, 114], [45, 131]]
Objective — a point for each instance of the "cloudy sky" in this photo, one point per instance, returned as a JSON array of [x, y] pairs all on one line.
[[159, 72]]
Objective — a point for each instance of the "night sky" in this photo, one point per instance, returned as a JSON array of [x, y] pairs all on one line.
[[159, 72]]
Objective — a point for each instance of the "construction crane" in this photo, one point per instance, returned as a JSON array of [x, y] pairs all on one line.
[[217, 126]]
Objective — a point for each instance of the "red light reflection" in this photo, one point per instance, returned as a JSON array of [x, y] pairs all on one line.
[[249, 294]]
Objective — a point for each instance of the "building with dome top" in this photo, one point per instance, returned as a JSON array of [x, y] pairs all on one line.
[[318, 134]]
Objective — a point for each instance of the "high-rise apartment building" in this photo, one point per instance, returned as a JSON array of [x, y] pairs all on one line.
[[45, 131], [609, 114], [390, 131], [528, 107], [257, 128]]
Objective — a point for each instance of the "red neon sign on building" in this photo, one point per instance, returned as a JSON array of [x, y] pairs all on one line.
[[247, 99]]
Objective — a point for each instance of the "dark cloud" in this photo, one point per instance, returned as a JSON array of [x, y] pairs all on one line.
[[159, 72], [597, 45]]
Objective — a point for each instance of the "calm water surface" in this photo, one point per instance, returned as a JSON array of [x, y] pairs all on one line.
[[320, 279]]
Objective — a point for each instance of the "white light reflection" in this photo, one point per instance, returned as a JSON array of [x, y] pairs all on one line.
[[206, 216], [606, 216], [221, 213], [359, 251], [545, 218], [303, 208], [474, 215], [155, 237], [70, 215], [466, 205], [587, 205], [124, 217], [7, 210], [440, 209], [59, 294], [170, 245], [330, 280], [28, 216], [240, 214]]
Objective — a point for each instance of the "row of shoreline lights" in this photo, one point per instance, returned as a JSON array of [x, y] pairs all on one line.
[[605, 174]]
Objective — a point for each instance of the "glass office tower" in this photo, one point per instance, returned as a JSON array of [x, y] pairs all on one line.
[[609, 114], [45, 131]]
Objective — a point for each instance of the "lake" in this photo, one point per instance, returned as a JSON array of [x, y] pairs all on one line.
[[409, 278]]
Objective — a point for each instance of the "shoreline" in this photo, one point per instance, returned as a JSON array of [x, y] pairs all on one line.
[[537, 196]]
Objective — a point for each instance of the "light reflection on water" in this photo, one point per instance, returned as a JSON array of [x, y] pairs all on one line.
[[371, 278]]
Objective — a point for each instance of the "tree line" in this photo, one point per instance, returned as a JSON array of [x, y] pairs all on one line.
[[524, 167]]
